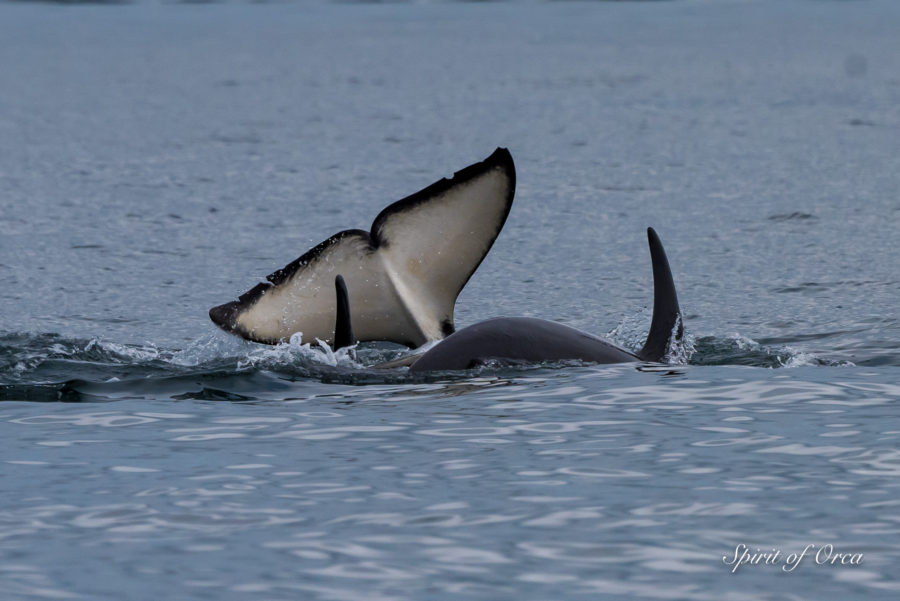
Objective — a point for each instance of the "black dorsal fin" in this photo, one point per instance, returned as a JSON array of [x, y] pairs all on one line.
[[666, 314], [343, 329]]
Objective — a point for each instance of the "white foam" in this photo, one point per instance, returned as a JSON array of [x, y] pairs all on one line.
[[148, 352], [679, 352], [296, 352], [787, 356]]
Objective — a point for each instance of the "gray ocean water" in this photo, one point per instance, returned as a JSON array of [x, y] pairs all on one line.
[[159, 159]]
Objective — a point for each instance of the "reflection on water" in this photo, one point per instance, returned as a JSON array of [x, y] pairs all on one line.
[[553, 479]]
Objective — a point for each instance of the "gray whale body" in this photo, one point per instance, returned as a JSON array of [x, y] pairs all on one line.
[[518, 340]]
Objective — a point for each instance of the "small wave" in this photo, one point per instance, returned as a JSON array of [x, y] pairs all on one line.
[[99, 350], [49, 359], [737, 349], [48, 367], [246, 355], [795, 216]]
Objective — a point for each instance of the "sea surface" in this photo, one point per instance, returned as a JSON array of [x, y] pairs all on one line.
[[159, 159]]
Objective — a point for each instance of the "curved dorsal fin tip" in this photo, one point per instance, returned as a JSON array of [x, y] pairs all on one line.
[[653, 238]]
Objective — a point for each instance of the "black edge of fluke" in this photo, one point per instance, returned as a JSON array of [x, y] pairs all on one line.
[[225, 315], [666, 313], [501, 158], [343, 328]]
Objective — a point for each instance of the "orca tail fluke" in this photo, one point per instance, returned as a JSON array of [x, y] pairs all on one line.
[[343, 328], [666, 325], [406, 272]]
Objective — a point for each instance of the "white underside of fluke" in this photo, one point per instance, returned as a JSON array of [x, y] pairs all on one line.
[[306, 301], [403, 277]]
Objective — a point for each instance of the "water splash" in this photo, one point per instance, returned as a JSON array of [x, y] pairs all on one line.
[[737, 349], [50, 367], [681, 349], [101, 350], [631, 332], [49, 359], [295, 352]]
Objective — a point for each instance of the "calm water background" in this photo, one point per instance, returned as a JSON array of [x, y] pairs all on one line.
[[157, 159]]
